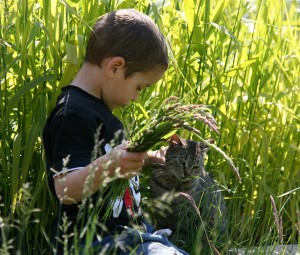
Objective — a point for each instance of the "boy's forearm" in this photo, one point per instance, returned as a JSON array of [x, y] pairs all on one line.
[[74, 186]]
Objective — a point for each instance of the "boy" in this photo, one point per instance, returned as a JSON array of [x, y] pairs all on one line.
[[125, 54]]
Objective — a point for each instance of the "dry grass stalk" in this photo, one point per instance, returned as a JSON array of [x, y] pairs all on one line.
[[298, 223], [278, 220], [169, 118]]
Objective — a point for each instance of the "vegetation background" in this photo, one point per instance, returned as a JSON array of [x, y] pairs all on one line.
[[242, 58]]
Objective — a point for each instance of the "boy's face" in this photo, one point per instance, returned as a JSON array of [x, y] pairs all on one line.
[[122, 91]]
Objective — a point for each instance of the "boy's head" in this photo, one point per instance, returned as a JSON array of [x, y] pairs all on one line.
[[131, 35]]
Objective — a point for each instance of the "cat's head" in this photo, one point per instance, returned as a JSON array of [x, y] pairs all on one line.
[[188, 155]]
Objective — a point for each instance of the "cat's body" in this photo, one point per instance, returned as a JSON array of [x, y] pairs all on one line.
[[197, 211]]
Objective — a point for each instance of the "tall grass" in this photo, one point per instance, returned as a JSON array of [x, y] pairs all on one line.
[[241, 58]]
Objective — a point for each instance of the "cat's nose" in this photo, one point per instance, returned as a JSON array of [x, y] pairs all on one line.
[[188, 170]]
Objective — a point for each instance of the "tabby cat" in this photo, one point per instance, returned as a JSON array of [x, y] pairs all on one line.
[[197, 214]]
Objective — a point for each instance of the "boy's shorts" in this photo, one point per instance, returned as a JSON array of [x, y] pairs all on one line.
[[134, 242]]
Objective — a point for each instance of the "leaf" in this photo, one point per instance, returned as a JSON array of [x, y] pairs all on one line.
[[225, 31], [29, 149], [22, 91], [15, 171], [71, 54]]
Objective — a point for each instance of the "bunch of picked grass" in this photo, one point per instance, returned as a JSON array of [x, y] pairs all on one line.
[[172, 116]]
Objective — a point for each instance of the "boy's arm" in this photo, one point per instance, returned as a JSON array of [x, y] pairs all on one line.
[[118, 162]]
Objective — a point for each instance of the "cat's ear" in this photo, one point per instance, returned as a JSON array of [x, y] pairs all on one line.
[[176, 140], [205, 146]]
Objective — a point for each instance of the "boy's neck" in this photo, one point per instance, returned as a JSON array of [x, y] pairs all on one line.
[[89, 79]]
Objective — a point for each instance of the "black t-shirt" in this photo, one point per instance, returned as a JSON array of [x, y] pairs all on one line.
[[79, 129]]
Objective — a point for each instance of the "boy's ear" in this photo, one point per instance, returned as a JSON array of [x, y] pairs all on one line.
[[114, 64]]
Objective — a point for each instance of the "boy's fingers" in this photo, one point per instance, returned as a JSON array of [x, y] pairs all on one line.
[[130, 165], [134, 156]]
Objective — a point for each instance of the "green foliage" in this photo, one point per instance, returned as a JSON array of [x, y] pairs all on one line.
[[240, 58], [160, 123]]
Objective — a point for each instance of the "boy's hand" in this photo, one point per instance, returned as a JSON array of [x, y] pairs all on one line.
[[123, 164], [156, 157]]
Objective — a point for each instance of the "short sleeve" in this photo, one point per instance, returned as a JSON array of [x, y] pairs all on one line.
[[73, 142]]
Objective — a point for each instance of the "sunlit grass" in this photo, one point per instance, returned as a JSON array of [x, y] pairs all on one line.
[[240, 58]]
